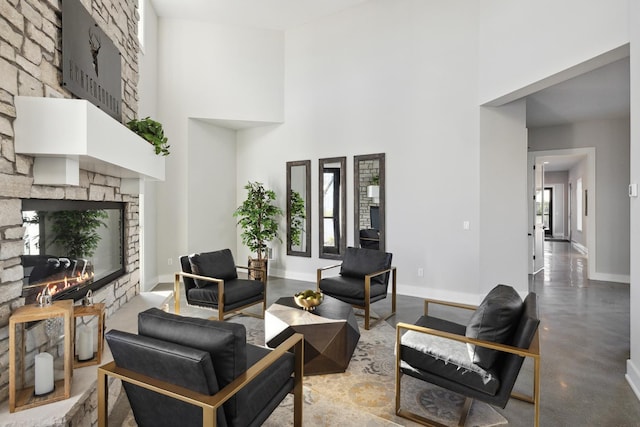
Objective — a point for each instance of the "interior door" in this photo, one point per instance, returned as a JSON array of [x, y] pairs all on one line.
[[535, 180], [538, 225]]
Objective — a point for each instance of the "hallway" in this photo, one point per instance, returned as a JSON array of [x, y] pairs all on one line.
[[584, 345]]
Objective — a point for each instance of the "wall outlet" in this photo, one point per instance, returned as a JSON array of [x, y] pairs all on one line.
[[421, 272], [465, 225], [169, 261]]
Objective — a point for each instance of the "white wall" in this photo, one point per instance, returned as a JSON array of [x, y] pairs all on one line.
[[395, 77], [633, 365], [559, 181], [611, 141], [525, 44], [580, 172], [147, 106], [207, 71], [503, 197], [211, 187]]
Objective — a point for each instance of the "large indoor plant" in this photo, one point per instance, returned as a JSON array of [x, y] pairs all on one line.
[[258, 218], [152, 131], [298, 214]]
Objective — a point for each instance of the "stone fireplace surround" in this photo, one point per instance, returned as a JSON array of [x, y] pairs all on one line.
[[30, 55]]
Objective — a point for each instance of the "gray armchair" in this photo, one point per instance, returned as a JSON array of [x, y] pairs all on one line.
[[197, 372], [363, 280], [480, 360]]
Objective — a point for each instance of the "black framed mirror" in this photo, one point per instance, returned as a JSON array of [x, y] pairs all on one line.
[[333, 207], [299, 208], [369, 201]]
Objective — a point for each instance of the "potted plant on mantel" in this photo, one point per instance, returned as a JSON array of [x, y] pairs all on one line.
[[152, 131], [258, 220]]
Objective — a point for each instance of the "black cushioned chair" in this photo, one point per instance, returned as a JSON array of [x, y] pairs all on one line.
[[182, 371], [480, 360], [211, 280], [363, 280]]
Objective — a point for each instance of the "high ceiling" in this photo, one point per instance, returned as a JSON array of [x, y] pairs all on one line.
[[601, 93], [269, 14]]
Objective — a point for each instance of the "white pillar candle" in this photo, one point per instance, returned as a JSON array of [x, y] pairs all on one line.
[[44, 373], [85, 343]]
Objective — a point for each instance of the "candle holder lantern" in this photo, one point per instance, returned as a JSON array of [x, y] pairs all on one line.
[[45, 388], [86, 335]]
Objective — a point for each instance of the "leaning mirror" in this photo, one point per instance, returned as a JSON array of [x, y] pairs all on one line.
[[299, 208], [333, 209], [369, 201]]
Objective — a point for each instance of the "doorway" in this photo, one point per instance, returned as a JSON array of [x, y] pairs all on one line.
[[564, 159], [547, 211]]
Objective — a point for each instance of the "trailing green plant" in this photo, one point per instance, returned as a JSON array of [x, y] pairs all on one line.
[[375, 180], [258, 218], [76, 231], [152, 131], [298, 215]]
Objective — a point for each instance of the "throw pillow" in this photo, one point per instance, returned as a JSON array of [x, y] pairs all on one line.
[[494, 320], [218, 264], [358, 262]]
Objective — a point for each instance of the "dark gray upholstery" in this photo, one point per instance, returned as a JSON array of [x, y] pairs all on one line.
[[349, 286], [494, 320], [202, 355], [219, 265], [358, 266], [505, 369], [358, 262]]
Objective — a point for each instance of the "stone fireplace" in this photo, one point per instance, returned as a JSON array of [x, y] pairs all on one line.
[[30, 36], [71, 247]]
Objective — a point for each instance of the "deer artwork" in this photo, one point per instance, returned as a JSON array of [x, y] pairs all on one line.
[[94, 45]]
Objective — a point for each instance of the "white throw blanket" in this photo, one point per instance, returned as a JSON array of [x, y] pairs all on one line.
[[447, 350]]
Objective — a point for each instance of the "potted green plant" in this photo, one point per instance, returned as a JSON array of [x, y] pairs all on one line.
[[152, 131], [298, 215], [258, 218], [76, 231]]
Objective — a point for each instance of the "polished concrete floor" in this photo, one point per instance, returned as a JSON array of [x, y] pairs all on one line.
[[584, 344]]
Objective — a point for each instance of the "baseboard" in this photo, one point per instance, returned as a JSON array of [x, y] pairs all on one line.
[[633, 377], [580, 248], [283, 274], [441, 294], [607, 277], [165, 278], [148, 285]]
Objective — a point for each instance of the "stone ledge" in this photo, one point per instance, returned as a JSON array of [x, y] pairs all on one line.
[[82, 404]]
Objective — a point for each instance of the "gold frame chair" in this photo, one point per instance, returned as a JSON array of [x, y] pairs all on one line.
[[209, 404], [367, 293], [221, 311], [533, 351]]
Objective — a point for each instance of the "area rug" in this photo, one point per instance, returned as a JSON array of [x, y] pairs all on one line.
[[365, 394]]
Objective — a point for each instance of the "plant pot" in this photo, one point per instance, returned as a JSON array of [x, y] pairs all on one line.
[[257, 263]]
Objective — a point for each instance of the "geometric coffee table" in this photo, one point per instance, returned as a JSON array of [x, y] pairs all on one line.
[[330, 332]]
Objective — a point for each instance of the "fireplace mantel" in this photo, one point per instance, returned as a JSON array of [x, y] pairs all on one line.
[[65, 135]]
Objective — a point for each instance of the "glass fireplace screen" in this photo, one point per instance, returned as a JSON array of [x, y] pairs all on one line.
[[71, 247]]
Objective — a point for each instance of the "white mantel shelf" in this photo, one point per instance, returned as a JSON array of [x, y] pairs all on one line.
[[65, 135]]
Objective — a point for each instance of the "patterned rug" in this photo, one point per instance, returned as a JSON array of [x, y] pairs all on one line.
[[365, 394]]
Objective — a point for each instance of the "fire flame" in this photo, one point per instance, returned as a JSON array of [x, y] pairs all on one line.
[[56, 286]]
